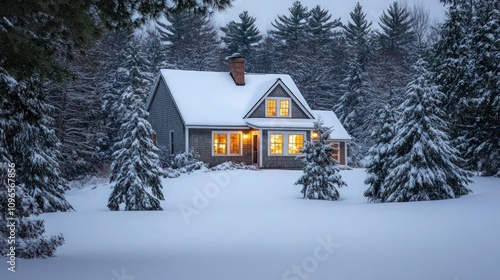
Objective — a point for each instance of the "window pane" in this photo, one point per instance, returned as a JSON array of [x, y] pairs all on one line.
[[271, 107], [295, 143], [276, 145], [284, 108], [234, 144], [220, 144], [335, 151]]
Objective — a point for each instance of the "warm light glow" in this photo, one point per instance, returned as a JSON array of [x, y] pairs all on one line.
[[276, 146], [245, 136], [295, 144], [315, 135], [271, 107], [284, 108], [220, 144], [234, 144]]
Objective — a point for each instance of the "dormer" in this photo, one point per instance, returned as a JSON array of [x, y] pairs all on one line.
[[278, 107]]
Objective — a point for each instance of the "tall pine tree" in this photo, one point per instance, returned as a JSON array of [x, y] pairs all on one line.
[[321, 176], [242, 37], [136, 165], [425, 166], [379, 159]]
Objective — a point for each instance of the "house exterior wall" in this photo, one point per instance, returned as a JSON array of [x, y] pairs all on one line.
[[286, 162], [200, 141], [164, 118], [260, 111]]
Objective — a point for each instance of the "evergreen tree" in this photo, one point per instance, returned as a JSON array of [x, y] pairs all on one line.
[[291, 31], [425, 166], [242, 37], [466, 64], [321, 176], [136, 165], [351, 107], [397, 34], [30, 241], [190, 41], [379, 161], [33, 144]]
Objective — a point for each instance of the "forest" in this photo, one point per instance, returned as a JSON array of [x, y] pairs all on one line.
[[70, 80]]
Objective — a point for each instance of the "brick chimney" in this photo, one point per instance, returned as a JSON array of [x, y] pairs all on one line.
[[237, 68]]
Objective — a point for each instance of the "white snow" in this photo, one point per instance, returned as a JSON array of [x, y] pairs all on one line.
[[255, 225]]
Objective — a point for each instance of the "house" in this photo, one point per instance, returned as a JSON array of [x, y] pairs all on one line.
[[260, 119]]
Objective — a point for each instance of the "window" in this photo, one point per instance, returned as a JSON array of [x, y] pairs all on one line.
[[172, 142], [276, 144], [295, 144], [278, 107], [271, 107], [286, 143], [284, 107], [336, 146], [226, 143]]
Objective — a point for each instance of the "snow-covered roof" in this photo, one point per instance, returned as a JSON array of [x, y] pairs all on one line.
[[212, 98]]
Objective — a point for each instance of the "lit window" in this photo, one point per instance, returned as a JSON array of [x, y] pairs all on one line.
[[276, 145], [234, 144], [220, 142], [284, 107], [335, 155], [271, 107], [295, 144]]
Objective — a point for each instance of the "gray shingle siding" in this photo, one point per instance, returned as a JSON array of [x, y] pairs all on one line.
[[164, 117], [200, 141], [260, 111]]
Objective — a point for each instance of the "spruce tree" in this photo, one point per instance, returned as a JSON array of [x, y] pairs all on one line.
[[321, 176], [397, 33], [351, 107], [136, 165], [30, 241], [291, 31], [191, 41], [425, 166], [379, 161], [241, 37]]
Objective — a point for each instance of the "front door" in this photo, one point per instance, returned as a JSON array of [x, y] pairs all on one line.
[[255, 149]]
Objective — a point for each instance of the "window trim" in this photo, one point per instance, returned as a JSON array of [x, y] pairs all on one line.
[[338, 150], [278, 107], [286, 135], [228, 143]]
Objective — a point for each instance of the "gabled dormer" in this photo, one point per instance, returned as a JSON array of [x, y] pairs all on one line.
[[279, 102]]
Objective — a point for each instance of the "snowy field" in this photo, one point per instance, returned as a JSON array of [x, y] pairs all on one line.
[[254, 225]]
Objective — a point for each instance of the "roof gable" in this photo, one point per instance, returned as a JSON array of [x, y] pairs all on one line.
[[298, 99]]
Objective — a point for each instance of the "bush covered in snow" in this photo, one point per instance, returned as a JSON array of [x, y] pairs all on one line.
[[184, 163], [229, 165]]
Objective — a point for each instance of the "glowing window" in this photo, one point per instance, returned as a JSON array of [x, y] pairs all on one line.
[[276, 145], [234, 144], [271, 107], [295, 144], [220, 142], [284, 108]]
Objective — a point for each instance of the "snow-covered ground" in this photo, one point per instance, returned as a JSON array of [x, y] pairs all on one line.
[[255, 225]]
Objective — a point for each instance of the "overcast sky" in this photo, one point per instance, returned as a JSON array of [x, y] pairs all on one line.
[[267, 10]]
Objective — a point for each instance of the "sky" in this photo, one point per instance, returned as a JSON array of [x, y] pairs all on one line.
[[265, 11]]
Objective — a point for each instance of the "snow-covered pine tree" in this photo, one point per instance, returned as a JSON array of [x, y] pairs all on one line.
[[30, 241], [136, 165], [242, 37], [378, 164], [351, 107], [321, 176], [425, 166], [33, 144], [291, 31], [191, 41]]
